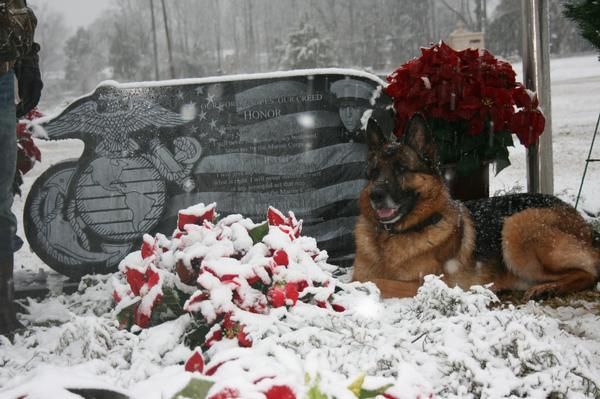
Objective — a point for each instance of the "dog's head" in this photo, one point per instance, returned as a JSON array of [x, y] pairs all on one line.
[[403, 174]]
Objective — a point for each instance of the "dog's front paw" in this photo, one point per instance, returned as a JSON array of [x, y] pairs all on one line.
[[541, 291]]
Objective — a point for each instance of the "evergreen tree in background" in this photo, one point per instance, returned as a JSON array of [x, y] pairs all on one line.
[[305, 48], [586, 14]]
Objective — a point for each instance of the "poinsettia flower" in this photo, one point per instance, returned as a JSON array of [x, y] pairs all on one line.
[[525, 98], [288, 224], [468, 92], [528, 126], [28, 152]]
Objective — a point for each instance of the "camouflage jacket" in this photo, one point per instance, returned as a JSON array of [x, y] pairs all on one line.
[[17, 28]]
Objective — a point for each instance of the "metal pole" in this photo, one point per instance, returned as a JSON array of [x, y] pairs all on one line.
[[218, 35], [536, 73], [156, 75], [171, 66], [587, 161]]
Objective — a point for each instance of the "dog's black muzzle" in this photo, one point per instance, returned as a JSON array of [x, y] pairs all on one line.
[[389, 205]]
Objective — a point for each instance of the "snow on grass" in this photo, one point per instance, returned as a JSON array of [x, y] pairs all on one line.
[[444, 341]]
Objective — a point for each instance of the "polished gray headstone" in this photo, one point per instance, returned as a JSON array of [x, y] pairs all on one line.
[[291, 140]]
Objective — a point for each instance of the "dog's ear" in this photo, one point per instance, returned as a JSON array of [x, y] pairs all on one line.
[[375, 137], [419, 137]]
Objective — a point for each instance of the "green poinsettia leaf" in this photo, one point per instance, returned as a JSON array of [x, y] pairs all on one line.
[[259, 232], [170, 306], [504, 138], [356, 386], [501, 160], [195, 389], [196, 335], [467, 165], [172, 298], [368, 394], [314, 392], [126, 316]]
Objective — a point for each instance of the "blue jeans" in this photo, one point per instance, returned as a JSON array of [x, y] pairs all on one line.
[[9, 242]]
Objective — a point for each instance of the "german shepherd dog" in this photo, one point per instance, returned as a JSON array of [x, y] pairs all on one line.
[[410, 227]]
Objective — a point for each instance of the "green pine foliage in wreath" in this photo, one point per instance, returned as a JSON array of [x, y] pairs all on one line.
[[586, 13]]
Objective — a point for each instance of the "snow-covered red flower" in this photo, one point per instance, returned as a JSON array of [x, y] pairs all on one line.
[[288, 224], [196, 215], [28, 152]]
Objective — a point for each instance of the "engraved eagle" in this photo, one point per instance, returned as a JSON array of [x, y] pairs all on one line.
[[112, 119]]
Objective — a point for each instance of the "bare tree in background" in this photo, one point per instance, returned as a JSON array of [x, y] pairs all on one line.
[[154, 42], [211, 37]]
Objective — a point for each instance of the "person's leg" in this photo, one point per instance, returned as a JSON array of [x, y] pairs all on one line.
[[9, 242]]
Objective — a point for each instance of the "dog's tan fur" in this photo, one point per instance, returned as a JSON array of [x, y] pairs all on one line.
[[544, 250]]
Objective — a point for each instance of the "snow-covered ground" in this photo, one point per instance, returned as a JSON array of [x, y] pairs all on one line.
[[443, 342]]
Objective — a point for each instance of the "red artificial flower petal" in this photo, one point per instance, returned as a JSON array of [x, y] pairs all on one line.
[[183, 217], [281, 258], [153, 277], [226, 393], [253, 280], [116, 297], [244, 339], [338, 308], [302, 285], [195, 363], [141, 319], [147, 246], [276, 296], [213, 369], [280, 392], [215, 337], [136, 280], [275, 217], [291, 292]]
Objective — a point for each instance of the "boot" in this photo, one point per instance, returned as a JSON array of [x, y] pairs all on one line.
[[9, 324]]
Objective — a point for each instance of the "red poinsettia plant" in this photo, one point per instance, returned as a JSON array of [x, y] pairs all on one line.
[[28, 152], [472, 102]]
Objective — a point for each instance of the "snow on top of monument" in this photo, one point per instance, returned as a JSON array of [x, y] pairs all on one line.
[[249, 76], [38, 130]]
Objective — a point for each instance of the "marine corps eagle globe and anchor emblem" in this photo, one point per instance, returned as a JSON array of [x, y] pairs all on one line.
[[92, 211]]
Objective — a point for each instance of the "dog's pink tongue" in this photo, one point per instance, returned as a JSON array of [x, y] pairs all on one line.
[[385, 213]]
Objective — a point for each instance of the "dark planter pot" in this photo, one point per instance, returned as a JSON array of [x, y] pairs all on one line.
[[464, 188]]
